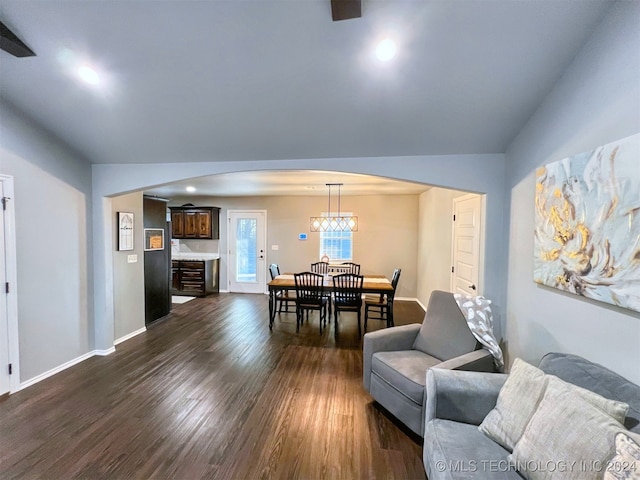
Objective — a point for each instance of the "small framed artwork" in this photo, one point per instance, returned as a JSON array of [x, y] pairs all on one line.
[[153, 239], [125, 231]]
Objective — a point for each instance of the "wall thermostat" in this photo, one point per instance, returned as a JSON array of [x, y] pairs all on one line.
[[302, 236]]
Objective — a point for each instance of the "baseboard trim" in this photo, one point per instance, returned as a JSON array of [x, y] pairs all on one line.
[[130, 335], [104, 353], [53, 371]]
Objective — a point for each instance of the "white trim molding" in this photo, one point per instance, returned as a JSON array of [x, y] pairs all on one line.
[[128, 336]]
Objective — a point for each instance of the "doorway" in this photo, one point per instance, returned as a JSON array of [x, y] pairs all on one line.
[[9, 358], [466, 245], [247, 244]]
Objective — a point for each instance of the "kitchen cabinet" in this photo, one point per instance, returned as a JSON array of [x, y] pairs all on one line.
[[195, 222], [194, 277]]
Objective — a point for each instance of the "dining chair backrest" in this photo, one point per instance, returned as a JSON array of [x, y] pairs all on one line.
[[347, 288], [274, 270], [395, 278], [350, 267], [309, 286], [320, 267]]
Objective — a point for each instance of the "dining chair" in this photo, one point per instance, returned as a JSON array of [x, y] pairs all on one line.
[[320, 267], [350, 267], [347, 296], [310, 296], [380, 307], [283, 297]]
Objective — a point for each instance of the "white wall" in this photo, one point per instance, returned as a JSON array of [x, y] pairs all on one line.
[[597, 101], [54, 245], [435, 237]]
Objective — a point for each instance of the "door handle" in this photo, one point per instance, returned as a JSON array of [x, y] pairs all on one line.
[[472, 287]]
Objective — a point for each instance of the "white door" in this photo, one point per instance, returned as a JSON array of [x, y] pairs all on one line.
[[247, 251], [5, 378], [467, 239]]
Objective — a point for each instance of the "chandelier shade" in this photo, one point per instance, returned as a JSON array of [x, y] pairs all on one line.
[[332, 222]]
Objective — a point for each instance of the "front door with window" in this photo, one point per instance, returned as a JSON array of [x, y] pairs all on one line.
[[247, 245]]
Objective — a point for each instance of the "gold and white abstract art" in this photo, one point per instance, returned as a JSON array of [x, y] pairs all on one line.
[[587, 224]]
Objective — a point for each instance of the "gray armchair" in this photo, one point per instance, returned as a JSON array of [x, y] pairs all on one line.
[[396, 359]]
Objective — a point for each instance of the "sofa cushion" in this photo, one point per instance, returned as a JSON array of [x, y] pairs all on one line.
[[517, 401], [459, 451], [405, 370], [568, 437], [598, 379], [519, 398], [626, 462], [444, 333]]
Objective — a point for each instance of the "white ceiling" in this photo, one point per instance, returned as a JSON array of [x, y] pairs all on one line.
[[226, 80]]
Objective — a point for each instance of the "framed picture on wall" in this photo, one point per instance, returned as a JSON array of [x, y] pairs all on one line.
[[125, 231], [153, 239]]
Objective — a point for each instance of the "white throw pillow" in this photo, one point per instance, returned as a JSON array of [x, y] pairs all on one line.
[[625, 465], [519, 398], [570, 436], [517, 401]]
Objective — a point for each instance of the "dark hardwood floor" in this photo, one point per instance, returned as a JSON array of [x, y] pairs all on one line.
[[210, 392]]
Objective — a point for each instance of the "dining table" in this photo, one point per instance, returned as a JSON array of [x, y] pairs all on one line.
[[375, 284]]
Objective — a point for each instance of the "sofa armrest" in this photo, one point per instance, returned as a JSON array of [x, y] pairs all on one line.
[[477, 361], [387, 340], [461, 396]]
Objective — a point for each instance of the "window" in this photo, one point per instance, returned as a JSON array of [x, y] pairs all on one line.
[[338, 246]]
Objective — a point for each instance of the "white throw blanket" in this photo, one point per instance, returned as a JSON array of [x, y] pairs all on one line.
[[477, 311]]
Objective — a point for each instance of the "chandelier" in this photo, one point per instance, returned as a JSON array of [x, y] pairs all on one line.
[[334, 223]]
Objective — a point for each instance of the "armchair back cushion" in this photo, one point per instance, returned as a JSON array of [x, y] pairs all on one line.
[[444, 333]]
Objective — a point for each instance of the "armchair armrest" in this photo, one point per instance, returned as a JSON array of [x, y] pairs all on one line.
[[477, 361], [461, 396], [387, 340]]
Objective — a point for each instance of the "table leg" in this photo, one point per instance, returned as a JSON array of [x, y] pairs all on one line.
[[390, 314], [272, 307]]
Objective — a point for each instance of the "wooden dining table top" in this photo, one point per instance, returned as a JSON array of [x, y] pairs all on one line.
[[371, 283]]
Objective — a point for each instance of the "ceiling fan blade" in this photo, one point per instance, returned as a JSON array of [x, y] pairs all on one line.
[[12, 44], [346, 9]]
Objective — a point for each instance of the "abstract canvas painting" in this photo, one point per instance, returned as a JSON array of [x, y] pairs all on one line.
[[587, 224]]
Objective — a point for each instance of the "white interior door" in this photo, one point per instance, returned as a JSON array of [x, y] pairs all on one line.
[[467, 240], [247, 251], [5, 378]]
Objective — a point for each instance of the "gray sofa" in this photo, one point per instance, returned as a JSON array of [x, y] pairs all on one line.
[[396, 359], [457, 403]]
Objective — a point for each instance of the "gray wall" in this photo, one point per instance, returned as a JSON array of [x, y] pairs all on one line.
[[597, 101], [128, 278], [387, 235], [54, 245]]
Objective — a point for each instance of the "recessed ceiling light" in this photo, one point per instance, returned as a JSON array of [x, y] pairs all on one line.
[[89, 75], [386, 50], [191, 189]]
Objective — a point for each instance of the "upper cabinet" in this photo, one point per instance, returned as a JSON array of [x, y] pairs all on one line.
[[195, 222]]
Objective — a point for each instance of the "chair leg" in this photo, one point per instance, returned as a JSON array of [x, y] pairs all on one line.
[[359, 329], [366, 317]]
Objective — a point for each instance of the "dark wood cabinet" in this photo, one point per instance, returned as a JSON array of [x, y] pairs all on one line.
[[195, 222], [194, 277]]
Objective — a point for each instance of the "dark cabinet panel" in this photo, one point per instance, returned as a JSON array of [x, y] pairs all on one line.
[[177, 223], [195, 277], [195, 222], [157, 264]]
